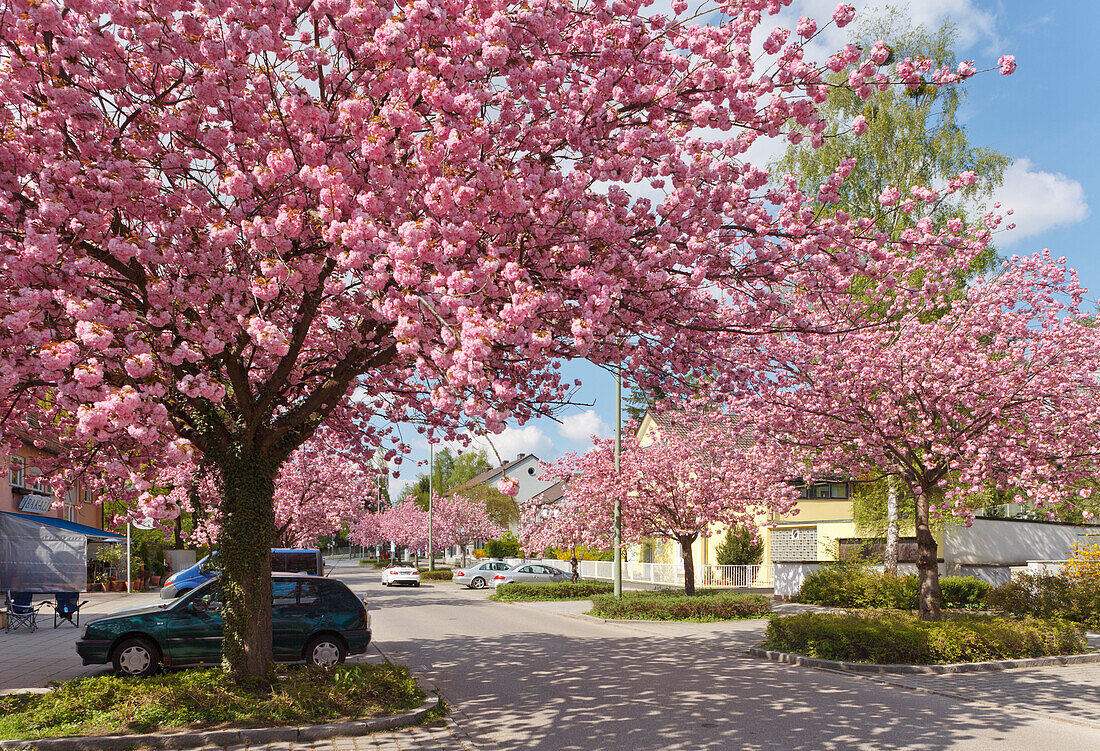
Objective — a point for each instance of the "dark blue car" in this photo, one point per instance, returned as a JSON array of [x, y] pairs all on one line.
[[292, 560]]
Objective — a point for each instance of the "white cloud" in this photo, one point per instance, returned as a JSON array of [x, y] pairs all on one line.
[[1040, 200], [581, 427], [529, 439]]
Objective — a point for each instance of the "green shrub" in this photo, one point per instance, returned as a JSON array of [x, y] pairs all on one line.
[[582, 590], [1045, 596], [673, 605], [863, 587], [211, 697], [888, 637], [964, 592], [440, 574], [506, 547], [859, 587]]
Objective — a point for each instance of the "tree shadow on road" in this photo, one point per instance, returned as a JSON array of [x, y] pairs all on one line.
[[626, 690]]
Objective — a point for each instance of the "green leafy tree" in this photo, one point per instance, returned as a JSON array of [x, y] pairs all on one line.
[[738, 548], [450, 470]]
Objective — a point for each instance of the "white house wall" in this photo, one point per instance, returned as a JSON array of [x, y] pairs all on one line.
[[1010, 542]]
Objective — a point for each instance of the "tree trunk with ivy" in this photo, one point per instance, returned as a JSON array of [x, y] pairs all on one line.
[[244, 558], [927, 561]]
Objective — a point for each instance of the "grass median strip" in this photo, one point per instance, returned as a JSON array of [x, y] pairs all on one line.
[[209, 699], [582, 590], [897, 637], [672, 605]]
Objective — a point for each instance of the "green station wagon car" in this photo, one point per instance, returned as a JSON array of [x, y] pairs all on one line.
[[314, 619]]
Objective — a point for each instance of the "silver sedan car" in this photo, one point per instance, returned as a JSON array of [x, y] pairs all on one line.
[[480, 574], [530, 572]]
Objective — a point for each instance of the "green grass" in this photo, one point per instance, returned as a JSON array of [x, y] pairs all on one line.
[[529, 591], [673, 605], [209, 698], [891, 637]]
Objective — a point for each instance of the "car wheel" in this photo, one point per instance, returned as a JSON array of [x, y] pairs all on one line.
[[477, 583], [325, 652], [136, 657], [416, 584]]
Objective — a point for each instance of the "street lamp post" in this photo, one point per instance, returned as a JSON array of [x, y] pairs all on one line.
[[431, 483], [618, 515]]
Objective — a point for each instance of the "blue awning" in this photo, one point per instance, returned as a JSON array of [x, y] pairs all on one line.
[[91, 533]]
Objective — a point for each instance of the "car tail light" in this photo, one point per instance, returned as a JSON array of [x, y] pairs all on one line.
[[460, 573], [499, 577], [393, 571]]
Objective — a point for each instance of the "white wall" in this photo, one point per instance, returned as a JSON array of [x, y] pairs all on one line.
[[1010, 542]]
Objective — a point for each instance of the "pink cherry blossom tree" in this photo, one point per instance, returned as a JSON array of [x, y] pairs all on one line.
[[405, 525], [462, 521], [703, 472], [366, 530], [225, 224], [557, 524], [317, 493], [991, 389]]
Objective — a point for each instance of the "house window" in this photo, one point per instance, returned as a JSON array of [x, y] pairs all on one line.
[[38, 484], [17, 471], [825, 490]]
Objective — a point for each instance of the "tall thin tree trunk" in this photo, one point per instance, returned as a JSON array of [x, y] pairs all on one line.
[[244, 556], [689, 564], [890, 558], [927, 564], [177, 532]]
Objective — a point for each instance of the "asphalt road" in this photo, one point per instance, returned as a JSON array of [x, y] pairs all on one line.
[[527, 678]]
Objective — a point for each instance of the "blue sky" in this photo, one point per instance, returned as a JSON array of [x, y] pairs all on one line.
[[1039, 116]]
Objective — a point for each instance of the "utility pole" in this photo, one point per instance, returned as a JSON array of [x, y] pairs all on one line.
[[431, 490], [618, 569]]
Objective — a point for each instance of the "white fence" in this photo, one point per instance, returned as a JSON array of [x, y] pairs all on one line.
[[672, 575]]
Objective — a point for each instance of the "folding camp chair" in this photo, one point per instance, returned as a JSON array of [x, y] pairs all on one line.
[[21, 611], [66, 608]]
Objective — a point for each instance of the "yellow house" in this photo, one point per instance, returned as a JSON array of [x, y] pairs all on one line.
[[822, 518]]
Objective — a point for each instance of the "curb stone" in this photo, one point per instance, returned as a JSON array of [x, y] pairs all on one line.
[[241, 736], [958, 667]]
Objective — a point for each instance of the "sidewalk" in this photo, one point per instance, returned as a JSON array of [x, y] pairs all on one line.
[[30, 660]]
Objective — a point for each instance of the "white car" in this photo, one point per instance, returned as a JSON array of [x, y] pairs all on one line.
[[400, 573]]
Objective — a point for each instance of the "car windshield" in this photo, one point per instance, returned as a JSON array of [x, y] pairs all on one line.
[[206, 565]]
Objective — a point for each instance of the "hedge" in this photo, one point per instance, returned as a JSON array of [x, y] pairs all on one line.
[[891, 637], [440, 574], [673, 605], [582, 590], [861, 587], [1049, 596]]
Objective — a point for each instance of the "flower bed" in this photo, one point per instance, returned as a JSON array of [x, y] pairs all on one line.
[[894, 637], [205, 698], [673, 605], [582, 590]]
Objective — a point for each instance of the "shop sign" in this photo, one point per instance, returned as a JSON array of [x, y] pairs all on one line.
[[36, 504]]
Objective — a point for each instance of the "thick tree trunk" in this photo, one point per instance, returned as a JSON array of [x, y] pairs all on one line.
[[890, 558], [177, 532], [689, 564], [927, 564], [244, 556]]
